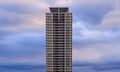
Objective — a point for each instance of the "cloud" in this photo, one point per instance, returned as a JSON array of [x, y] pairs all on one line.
[[92, 2], [23, 48], [20, 20], [97, 53], [22, 33], [92, 46], [92, 15], [35, 3], [86, 32], [112, 19], [97, 68], [82, 2], [22, 67], [22, 36], [20, 15], [86, 55]]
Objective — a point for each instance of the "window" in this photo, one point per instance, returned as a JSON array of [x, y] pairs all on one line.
[[54, 9], [63, 9]]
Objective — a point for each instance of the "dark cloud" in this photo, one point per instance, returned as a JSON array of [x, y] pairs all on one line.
[[83, 35], [96, 67], [22, 67], [90, 14], [12, 14], [24, 47], [28, 46], [24, 42], [18, 14], [76, 68], [10, 18]]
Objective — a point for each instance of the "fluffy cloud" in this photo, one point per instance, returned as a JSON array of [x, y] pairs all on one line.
[[91, 45], [95, 50], [112, 19], [22, 48], [97, 53], [22, 15], [82, 2], [22, 33], [21, 27], [85, 32], [35, 3]]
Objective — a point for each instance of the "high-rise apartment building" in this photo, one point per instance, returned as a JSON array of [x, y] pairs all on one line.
[[59, 40]]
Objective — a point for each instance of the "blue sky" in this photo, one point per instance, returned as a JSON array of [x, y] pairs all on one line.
[[96, 32]]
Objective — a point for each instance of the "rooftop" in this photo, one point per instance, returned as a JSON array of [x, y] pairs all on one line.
[[59, 9]]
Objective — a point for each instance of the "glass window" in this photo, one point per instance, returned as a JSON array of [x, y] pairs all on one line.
[[63, 9], [54, 9]]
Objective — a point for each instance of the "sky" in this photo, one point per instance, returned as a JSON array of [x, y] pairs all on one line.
[[96, 32]]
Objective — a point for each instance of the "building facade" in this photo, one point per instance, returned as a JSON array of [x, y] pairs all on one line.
[[59, 40]]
